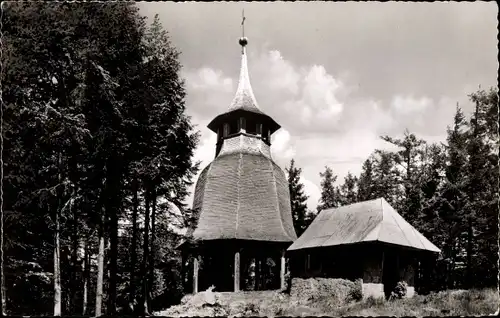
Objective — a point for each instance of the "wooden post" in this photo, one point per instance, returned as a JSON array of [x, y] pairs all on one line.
[[237, 271], [195, 275], [257, 273], [282, 271]]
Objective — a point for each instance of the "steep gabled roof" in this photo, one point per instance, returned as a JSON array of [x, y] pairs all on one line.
[[367, 221]]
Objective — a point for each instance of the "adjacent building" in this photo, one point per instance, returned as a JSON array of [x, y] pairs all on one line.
[[367, 240]]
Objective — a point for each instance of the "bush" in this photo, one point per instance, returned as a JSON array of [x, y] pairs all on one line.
[[399, 291], [356, 293]]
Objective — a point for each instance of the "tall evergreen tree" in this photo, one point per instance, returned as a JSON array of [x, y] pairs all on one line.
[[348, 191], [298, 198], [482, 189], [330, 197], [366, 182], [106, 105], [386, 177], [451, 199], [409, 158]]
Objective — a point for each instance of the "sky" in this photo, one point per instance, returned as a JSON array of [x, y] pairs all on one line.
[[335, 76]]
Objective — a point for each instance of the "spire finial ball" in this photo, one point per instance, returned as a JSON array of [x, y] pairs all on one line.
[[243, 41]]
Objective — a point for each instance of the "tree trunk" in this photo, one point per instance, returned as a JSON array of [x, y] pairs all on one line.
[[152, 247], [100, 271], [57, 251], [86, 276], [133, 248], [112, 213], [453, 261], [75, 278], [3, 303], [144, 265], [3, 311], [469, 253], [57, 272], [113, 256]]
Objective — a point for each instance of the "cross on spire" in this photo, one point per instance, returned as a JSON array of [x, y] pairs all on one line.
[[243, 23], [243, 40]]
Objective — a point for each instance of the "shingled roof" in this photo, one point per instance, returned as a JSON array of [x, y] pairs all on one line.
[[367, 221], [243, 195]]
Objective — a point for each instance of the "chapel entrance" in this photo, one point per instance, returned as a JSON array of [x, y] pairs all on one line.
[[390, 275]]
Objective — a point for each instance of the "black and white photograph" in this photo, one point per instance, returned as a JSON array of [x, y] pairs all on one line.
[[249, 159]]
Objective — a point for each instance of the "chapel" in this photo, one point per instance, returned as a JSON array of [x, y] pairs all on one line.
[[367, 241], [242, 213]]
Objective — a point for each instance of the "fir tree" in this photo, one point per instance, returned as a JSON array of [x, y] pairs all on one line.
[[330, 197], [366, 182], [348, 191], [298, 198], [409, 160]]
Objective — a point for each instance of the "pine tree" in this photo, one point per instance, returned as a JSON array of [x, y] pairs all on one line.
[[366, 182], [482, 190], [298, 198], [348, 191], [386, 178], [452, 198], [409, 159], [330, 197], [112, 105]]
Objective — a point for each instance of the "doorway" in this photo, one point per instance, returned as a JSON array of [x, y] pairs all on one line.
[[390, 273]]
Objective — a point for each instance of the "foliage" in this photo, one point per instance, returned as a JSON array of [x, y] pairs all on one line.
[[348, 191], [447, 191], [96, 135], [356, 293], [400, 291], [330, 197], [298, 198]]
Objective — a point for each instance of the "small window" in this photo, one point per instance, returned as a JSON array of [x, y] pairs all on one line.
[[233, 127], [250, 126], [259, 129], [241, 124], [226, 130]]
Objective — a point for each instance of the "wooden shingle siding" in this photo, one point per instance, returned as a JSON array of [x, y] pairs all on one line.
[[244, 196]]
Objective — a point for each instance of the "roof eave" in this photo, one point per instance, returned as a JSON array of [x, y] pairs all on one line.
[[216, 122]]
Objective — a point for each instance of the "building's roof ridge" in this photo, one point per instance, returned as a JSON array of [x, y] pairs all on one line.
[[371, 220]]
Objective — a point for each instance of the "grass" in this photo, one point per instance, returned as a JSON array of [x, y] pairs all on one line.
[[446, 303], [274, 303]]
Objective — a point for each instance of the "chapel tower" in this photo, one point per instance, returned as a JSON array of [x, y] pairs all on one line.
[[243, 220]]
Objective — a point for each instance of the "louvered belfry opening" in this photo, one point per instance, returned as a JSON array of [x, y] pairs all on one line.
[[243, 220]]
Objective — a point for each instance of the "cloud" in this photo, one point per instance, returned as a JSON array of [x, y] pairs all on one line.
[[281, 148], [313, 191], [299, 96], [205, 153], [324, 122], [408, 105], [208, 92], [281, 73]]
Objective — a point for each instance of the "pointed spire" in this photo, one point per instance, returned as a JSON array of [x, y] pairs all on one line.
[[244, 97]]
